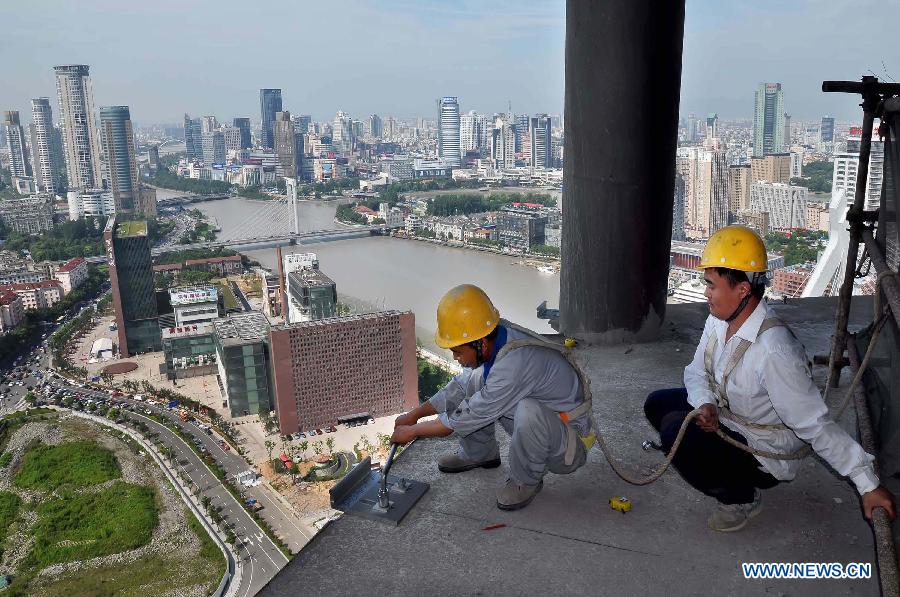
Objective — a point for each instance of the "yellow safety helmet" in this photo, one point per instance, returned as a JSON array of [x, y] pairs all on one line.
[[465, 314], [735, 247]]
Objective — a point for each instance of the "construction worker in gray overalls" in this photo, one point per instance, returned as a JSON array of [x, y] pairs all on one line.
[[751, 379], [510, 376]]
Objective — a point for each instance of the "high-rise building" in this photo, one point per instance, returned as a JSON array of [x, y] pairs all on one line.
[[302, 123], [193, 138], [76, 109], [522, 125], [46, 148], [243, 124], [269, 104], [342, 133], [117, 149], [288, 146], [19, 164], [739, 181], [692, 128], [797, 164], [448, 131], [826, 131], [785, 204], [473, 132], [134, 295], [705, 174], [243, 357], [374, 353], [712, 126], [787, 131], [539, 133], [503, 143], [213, 144], [375, 128], [846, 164], [153, 157], [774, 167], [520, 227], [678, 209], [232, 136], [208, 124], [768, 120]]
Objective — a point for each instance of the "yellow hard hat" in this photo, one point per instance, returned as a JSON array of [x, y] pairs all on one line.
[[735, 247], [465, 314]]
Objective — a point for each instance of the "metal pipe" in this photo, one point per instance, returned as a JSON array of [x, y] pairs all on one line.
[[889, 284], [885, 549], [383, 493], [843, 313]]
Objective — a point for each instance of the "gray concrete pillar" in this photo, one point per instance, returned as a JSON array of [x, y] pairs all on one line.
[[623, 79]]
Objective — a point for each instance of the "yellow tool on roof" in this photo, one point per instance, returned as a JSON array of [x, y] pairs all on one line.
[[622, 504]]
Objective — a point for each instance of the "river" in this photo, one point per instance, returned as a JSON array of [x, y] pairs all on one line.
[[393, 273]]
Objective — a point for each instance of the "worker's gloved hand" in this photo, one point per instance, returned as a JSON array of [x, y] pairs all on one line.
[[708, 419], [879, 497], [403, 434], [405, 419]]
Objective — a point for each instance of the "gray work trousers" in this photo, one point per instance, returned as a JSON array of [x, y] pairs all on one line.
[[537, 442]]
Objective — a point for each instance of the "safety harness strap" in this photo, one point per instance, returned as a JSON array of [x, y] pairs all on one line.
[[585, 408], [718, 389]]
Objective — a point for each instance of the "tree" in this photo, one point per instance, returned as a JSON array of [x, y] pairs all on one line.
[[384, 441], [329, 443], [317, 448], [303, 446], [270, 445]]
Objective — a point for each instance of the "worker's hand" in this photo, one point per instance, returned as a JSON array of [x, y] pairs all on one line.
[[879, 497], [403, 434], [708, 419], [406, 419]]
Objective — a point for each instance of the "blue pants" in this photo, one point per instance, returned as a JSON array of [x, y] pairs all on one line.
[[704, 460]]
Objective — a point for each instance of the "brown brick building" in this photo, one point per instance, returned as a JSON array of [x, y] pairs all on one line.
[[325, 369], [790, 281]]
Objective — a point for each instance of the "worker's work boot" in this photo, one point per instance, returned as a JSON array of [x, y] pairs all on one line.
[[514, 496], [734, 517], [453, 462]]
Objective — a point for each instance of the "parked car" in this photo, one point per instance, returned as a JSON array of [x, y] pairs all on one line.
[[318, 432]]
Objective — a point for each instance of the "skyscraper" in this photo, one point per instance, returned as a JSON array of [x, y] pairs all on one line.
[[712, 126], [706, 201], [522, 126], [473, 133], [288, 146], [539, 134], [213, 144], [46, 147], [76, 109], [243, 124], [208, 124], [19, 165], [342, 133], [269, 104], [117, 148], [193, 138], [375, 126], [846, 165], [131, 274], [678, 209], [826, 131], [503, 143], [448, 131], [768, 120]]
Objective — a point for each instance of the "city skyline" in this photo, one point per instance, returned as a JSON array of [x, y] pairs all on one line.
[[525, 44]]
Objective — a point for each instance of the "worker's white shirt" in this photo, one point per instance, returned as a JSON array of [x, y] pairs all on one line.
[[773, 384]]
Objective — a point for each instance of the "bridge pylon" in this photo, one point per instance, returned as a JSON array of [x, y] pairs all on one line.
[[290, 184]]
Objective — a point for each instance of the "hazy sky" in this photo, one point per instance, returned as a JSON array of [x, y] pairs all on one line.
[[167, 57]]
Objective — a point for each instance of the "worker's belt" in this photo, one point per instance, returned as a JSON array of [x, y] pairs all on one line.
[[572, 436]]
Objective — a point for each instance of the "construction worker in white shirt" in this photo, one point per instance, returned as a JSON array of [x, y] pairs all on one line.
[[751, 378], [512, 377]]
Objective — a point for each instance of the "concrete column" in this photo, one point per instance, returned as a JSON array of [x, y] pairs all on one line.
[[623, 78]]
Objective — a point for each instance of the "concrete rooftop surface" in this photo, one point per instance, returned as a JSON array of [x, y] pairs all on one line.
[[569, 541]]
